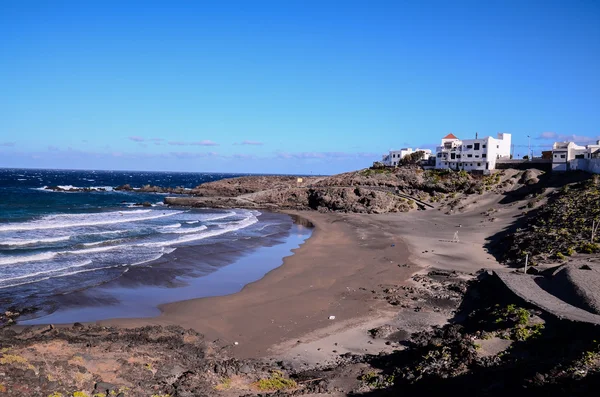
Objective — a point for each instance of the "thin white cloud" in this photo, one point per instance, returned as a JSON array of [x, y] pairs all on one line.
[[137, 138], [7, 144], [581, 139], [251, 143], [188, 155], [196, 143], [325, 155]]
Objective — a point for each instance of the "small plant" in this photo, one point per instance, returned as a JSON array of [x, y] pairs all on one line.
[[224, 385], [17, 361], [55, 394], [589, 357], [588, 248], [377, 381], [560, 256], [275, 382], [2, 388], [80, 394]]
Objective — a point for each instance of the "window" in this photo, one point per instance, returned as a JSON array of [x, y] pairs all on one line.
[[483, 146], [477, 155], [469, 146], [394, 155], [469, 155], [484, 155], [476, 146], [458, 156], [497, 146], [562, 156], [453, 156], [479, 164]]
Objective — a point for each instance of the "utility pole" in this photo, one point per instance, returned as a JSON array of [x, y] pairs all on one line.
[[528, 148]]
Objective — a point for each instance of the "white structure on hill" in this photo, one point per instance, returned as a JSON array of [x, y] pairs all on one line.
[[564, 152], [394, 156], [479, 154]]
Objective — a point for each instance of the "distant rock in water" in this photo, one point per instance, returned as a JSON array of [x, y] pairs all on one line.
[[144, 204], [74, 189], [152, 189]]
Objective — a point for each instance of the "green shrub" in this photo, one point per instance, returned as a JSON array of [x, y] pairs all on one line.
[[588, 248], [275, 382]]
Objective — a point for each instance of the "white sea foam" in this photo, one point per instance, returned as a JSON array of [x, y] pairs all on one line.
[[192, 222], [106, 232], [11, 260], [219, 216], [93, 250], [173, 226], [166, 250], [185, 230], [95, 219], [104, 242], [80, 264], [33, 241], [57, 276], [232, 227]]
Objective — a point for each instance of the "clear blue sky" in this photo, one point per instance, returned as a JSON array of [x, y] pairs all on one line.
[[287, 86]]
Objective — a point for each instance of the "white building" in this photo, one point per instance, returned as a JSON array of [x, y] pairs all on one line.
[[564, 152], [394, 156], [479, 154]]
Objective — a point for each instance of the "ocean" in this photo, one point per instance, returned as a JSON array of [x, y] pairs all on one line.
[[58, 250]]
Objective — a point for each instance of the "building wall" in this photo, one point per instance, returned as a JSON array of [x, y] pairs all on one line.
[[559, 167], [475, 154], [588, 165], [517, 164]]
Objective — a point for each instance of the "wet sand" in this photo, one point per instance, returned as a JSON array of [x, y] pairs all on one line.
[[223, 266], [331, 274]]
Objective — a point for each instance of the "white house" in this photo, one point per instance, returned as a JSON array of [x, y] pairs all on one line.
[[394, 156], [479, 154], [564, 152]]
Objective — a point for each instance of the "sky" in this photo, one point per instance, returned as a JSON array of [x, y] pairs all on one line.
[[300, 87]]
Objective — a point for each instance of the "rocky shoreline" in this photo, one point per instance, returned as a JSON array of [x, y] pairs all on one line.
[[493, 344]]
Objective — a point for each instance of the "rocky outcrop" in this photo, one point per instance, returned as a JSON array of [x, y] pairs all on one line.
[[365, 191], [233, 187]]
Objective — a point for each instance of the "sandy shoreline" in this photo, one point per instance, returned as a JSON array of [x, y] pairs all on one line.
[[332, 273]]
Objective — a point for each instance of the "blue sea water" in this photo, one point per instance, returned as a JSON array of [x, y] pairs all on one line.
[[57, 243]]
